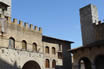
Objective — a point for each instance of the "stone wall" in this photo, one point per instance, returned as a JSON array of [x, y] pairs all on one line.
[[16, 58], [20, 32]]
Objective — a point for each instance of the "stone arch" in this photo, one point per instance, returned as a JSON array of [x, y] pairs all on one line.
[[31, 65], [99, 62], [11, 42], [84, 63]]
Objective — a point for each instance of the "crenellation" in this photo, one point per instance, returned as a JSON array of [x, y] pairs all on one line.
[[15, 21], [40, 29], [20, 23], [26, 25], [35, 28], [31, 26], [99, 22]]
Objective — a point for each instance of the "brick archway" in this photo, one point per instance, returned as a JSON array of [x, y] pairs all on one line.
[[31, 65]]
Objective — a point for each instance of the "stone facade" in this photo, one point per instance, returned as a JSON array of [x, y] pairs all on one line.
[[91, 54], [19, 32], [23, 46], [62, 51]]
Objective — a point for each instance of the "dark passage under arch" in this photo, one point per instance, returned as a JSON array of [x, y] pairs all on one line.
[[84, 63], [31, 65], [99, 62]]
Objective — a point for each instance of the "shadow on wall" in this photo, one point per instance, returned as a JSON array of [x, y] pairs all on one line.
[[6, 65], [58, 67]]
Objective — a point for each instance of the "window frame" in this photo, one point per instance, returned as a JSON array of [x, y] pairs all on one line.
[[34, 47], [47, 50]]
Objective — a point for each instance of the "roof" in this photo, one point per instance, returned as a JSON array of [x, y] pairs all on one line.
[[94, 44], [4, 4], [47, 37]]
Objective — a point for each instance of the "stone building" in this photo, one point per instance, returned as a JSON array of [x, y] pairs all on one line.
[[23, 46], [91, 54]]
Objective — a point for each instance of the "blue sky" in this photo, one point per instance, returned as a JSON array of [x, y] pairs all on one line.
[[58, 18]]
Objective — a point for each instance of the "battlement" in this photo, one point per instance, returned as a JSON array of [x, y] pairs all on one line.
[[22, 24], [99, 23]]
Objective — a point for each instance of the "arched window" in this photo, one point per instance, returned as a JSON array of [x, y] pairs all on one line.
[[53, 64], [34, 47], [11, 42], [53, 50], [47, 49], [47, 63], [24, 45]]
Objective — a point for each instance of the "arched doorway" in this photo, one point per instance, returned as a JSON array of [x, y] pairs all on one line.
[[53, 63], [84, 63], [99, 62], [31, 65]]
